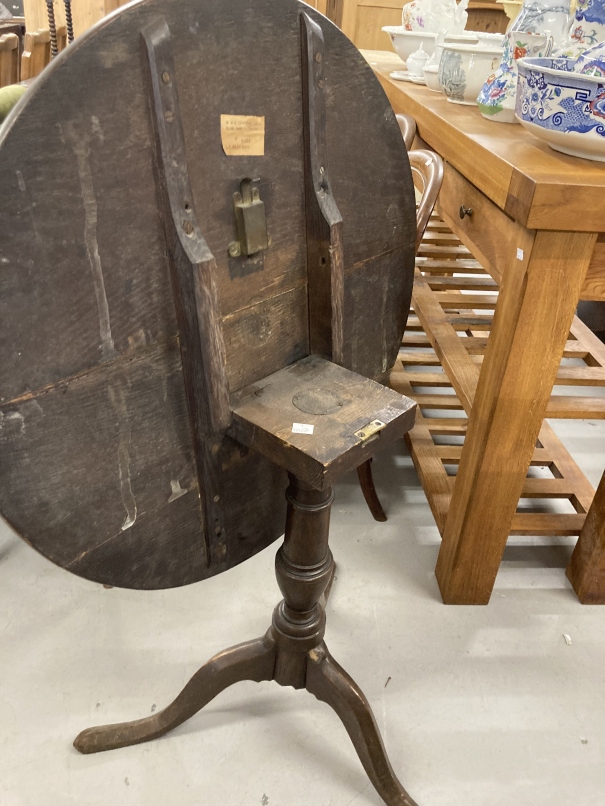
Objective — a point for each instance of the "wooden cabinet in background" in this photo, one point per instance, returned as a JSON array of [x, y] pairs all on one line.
[[362, 20], [486, 16], [320, 5]]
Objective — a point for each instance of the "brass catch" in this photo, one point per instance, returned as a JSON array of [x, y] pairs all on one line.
[[370, 430], [250, 221]]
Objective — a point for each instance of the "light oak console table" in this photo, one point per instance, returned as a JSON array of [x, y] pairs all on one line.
[[526, 225]]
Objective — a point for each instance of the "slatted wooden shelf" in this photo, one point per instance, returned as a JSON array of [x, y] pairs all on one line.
[[439, 363]]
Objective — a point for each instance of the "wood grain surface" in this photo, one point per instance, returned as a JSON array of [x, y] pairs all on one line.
[[334, 403], [96, 453], [538, 187]]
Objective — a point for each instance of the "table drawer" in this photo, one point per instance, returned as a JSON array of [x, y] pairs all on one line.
[[491, 235]]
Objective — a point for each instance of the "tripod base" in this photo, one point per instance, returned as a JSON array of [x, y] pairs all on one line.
[[258, 661], [292, 652]]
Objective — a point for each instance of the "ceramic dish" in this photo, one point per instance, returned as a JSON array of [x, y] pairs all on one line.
[[431, 78], [564, 108], [406, 42], [463, 70], [489, 40]]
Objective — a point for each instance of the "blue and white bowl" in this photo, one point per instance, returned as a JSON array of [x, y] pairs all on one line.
[[564, 108]]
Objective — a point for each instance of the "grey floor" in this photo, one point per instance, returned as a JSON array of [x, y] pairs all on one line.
[[477, 705]]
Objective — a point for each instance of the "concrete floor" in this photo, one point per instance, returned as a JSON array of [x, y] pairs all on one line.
[[477, 705]]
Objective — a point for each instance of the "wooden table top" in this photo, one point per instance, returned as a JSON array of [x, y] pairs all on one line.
[[538, 187]]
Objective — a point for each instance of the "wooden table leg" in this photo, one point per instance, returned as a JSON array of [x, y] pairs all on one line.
[[586, 571], [538, 297]]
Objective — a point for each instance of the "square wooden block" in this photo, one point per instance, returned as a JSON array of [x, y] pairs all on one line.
[[318, 420]]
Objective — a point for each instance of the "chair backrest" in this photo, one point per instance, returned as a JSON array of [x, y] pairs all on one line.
[[9, 59], [407, 127], [427, 167], [36, 53]]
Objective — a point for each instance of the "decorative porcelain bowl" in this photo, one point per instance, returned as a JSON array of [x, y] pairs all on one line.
[[489, 40], [406, 42], [463, 70], [431, 78], [564, 108]]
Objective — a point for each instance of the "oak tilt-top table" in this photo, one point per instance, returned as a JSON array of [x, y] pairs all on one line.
[[534, 220], [206, 266]]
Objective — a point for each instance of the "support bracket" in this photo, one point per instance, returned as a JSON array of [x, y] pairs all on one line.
[[325, 259], [193, 271]]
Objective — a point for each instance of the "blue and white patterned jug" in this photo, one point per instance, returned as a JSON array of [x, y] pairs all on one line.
[[545, 17], [587, 28]]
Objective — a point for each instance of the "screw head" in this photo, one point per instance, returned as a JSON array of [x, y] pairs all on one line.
[[187, 227], [234, 249], [318, 57], [169, 115], [166, 77]]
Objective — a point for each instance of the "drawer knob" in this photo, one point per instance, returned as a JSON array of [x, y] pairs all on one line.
[[465, 211]]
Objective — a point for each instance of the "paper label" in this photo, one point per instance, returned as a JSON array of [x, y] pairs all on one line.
[[243, 135], [519, 254], [301, 428]]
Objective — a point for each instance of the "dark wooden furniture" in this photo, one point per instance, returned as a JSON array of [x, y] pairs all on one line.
[[341, 406], [204, 279], [586, 569], [532, 219]]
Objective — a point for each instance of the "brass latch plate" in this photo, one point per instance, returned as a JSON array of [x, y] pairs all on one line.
[[370, 430], [250, 221]]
